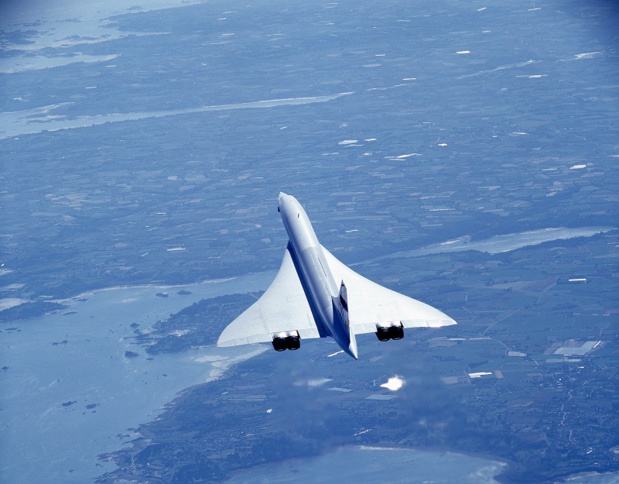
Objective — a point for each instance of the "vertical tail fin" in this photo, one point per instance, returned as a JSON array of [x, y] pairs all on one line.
[[344, 297], [344, 334], [352, 347]]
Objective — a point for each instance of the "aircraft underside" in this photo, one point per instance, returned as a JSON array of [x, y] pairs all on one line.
[[292, 341], [315, 295]]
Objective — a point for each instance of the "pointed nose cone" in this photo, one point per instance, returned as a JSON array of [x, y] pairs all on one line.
[[282, 198]]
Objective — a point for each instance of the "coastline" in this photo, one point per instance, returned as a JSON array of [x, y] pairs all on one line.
[[77, 380]]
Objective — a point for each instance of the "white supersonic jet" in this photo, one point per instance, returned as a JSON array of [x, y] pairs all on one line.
[[314, 295]]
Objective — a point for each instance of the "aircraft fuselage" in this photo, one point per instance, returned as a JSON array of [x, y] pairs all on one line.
[[321, 289]]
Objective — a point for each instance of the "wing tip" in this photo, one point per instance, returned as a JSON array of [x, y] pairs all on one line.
[[442, 322]]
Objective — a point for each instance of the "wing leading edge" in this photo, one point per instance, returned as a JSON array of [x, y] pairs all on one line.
[[370, 303], [283, 307]]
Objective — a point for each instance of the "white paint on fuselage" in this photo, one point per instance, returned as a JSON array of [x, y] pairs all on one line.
[[316, 278]]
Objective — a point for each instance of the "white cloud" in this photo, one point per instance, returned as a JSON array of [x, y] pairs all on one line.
[[394, 383]]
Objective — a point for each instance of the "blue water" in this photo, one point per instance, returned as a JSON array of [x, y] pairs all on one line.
[[70, 393], [372, 464]]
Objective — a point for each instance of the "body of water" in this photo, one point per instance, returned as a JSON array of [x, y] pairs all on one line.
[[69, 392], [376, 464]]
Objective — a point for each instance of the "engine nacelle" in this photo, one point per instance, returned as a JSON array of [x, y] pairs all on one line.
[[279, 344], [290, 340], [293, 342], [382, 333], [396, 332], [385, 332]]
